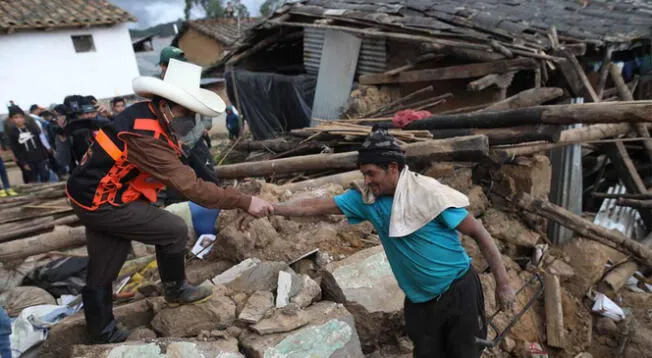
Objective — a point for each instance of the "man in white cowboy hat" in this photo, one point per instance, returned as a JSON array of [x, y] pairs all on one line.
[[120, 176]]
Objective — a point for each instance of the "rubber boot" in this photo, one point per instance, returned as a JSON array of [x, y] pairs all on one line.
[[177, 291], [98, 311]]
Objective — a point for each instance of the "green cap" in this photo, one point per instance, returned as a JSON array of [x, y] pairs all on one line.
[[169, 53]]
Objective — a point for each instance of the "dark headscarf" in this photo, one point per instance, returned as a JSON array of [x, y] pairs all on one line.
[[14, 110], [381, 148]]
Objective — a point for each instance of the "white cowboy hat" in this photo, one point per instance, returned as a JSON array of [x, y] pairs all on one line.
[[181, 85]]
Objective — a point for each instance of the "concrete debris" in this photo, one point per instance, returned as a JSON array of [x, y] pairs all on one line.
[[456, 175], [510, 230], [281, 321], [364, 282], [21, 297], [288, 286], [257, 305], [251, 275], [240, 299], [141, 334], [329, 333], [234, 331], [189, 320], [161, 348], [310, 292]]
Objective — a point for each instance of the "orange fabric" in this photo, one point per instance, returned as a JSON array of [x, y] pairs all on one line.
[[107, 144]]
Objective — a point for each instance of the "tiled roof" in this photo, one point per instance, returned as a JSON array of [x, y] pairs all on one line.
[[222, 30], [43, 14]]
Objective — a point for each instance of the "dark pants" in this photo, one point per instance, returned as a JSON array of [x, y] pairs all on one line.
[[447, 325], [39, 171], [109, 231], [3, 175]]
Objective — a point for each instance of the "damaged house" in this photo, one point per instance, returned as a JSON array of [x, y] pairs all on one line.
[[312, 54]]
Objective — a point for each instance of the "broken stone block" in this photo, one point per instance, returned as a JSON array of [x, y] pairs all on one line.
[[141, 250], [309, 292], [72, 330], [588, 259], [531, 175], [561, 269], [257, 305], [251, 275], [288, 286], [606, 326], [189, 320], [478, 200], [365, 284], [281, 321], [329, 333], [141, 334], [456, 175], [510, 230], [161, 348], [234, 331]]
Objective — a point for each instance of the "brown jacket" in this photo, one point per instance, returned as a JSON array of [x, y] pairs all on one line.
[[155, 157]]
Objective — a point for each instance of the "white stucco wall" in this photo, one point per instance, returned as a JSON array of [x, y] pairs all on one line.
[[43, 67]]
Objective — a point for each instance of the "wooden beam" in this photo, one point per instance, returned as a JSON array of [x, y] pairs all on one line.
[[583, 227], [527, 98], [60, 238], [500, 80], [645, 196], [451, 72], [420, 59], [576, 77], [462, 148], [554, 311], [626, 95], [604, 71], [617, 278]]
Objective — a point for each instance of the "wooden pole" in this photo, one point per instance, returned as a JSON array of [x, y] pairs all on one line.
[[451, 72], [61, 238], [583, 227], [617, 278], [643, 196], [636, 111], [26, 228], [626, 95], [503, 136], [463, 148], [528, 98], [554, 311], [635, 203], [343, 179]]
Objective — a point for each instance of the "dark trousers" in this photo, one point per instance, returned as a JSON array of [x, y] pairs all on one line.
[[3, 175], [109, 231], [39, 171], [447, 325]]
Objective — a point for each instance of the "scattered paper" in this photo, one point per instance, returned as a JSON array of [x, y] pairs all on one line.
[[203, 245], [608, 308]]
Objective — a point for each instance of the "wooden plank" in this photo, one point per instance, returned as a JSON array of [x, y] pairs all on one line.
[[576, 77], [451, 72], [527, 98], [554, 311], [583, 227], [626, 95]]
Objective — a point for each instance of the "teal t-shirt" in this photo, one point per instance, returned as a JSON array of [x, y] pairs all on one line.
[[425, 262]]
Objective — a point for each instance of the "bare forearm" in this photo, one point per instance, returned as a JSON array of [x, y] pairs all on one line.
[[492, 255], [307, 207]]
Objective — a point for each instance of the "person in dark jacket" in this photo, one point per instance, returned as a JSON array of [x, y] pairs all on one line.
[[25, 142]]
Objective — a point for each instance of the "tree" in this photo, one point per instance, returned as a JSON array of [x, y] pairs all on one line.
[[243, 11], [213, 8], [269, 6]]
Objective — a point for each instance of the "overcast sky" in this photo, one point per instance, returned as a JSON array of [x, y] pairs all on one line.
[[154, 12]]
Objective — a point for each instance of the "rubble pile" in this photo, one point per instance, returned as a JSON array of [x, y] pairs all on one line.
[[323, 287]]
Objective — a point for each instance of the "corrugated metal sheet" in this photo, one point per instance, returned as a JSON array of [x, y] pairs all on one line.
[[622, 218], [566, 186], [372, 58], [336, 72]]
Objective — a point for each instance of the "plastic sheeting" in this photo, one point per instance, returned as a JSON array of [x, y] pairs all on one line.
[[271, 103]]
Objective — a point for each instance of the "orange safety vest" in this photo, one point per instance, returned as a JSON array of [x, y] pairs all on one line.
[[105, 175]]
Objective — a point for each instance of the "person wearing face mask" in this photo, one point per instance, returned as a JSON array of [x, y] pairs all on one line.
[[118, 179]]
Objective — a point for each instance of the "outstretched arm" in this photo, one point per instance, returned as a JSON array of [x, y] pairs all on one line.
[[473, 228], [307, 207]]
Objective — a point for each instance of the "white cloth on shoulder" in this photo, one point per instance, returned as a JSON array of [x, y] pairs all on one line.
[[418, 200]]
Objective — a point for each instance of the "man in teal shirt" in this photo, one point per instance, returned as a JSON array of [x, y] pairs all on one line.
[[444, 305]]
